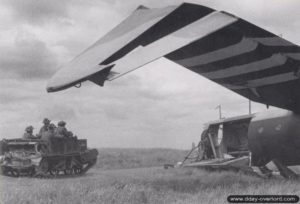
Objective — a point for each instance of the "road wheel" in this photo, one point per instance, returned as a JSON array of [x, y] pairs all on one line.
[[43, 168], [54, 172], [15, 173], [44, 165], [31, 172], [77, 170], [4, 171], [68, 171]]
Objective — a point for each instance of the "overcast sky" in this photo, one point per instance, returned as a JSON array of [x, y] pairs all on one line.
[[159, 105]]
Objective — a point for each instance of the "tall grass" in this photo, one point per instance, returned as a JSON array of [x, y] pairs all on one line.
[[118, 158], [141, 185], [148, 185]]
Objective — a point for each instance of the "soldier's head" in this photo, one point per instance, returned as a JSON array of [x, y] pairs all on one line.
[[29, 129], [52, 126], [46, 121], [61, 123]]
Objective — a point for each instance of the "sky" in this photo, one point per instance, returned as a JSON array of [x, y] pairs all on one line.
[[159, 105]]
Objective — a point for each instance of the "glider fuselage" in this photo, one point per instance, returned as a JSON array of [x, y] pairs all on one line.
[[275, 136]]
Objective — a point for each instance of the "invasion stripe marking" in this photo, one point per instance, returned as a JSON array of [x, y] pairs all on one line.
[[274, 60], [289, 66], [273, 41], [265, 81], [259, 53], [135, 20], [295, 56], [244, 46], [184, 15], [208, 44], [187, 35]]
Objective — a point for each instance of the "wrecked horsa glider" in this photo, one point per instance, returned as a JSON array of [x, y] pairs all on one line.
[[226, 49]]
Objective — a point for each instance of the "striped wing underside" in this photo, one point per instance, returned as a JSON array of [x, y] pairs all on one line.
[[248, 60], [228, 50], [240, 56]]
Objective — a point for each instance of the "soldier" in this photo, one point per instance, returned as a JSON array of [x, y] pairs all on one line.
[[206, 151], [28, 133], [61, 130], [70, 134], [45, 127], [50, 133], [3, 147]]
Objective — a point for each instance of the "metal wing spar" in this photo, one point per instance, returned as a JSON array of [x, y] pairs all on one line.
[[227, 50]]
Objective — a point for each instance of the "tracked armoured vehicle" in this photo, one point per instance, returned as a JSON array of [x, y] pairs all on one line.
[[35, 157]]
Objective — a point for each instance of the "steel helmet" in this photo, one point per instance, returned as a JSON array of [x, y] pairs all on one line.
[[52, 126], [46, 121], [61, 123], [29, 128]]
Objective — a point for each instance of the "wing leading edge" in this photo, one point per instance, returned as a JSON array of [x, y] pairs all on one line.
[[219, 46]]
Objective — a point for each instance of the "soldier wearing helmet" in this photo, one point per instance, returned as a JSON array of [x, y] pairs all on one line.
[[61, 130], [48, 135], [52, 126], [45, 127], [61, 123], [28, 133]]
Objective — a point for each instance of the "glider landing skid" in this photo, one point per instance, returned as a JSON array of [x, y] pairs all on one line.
[[237, 164]]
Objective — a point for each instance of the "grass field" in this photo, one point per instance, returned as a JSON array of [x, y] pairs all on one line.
[[114, 158], [140, 185]]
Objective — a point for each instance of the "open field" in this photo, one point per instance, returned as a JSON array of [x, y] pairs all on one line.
[[141, 185], [118, 158]]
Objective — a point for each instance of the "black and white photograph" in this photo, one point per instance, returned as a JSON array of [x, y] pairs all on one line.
[[148, 101]]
